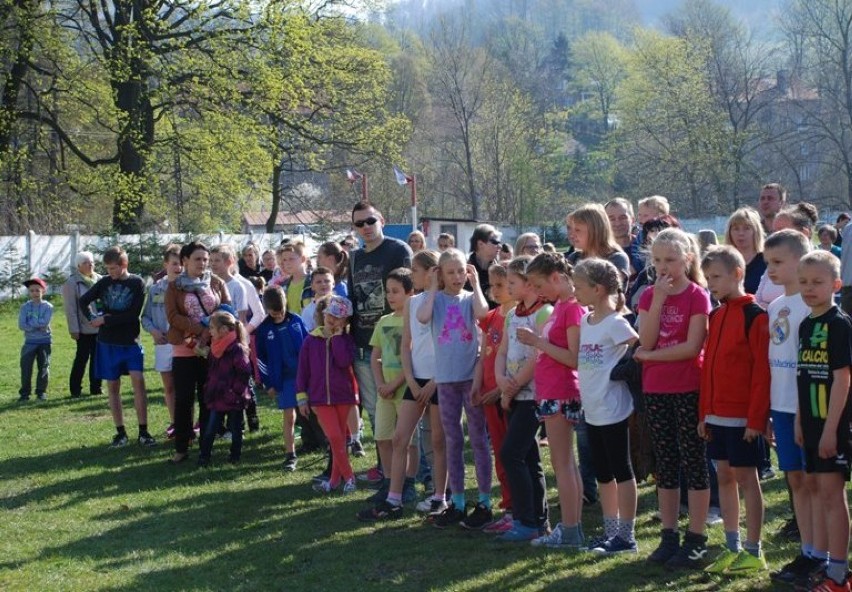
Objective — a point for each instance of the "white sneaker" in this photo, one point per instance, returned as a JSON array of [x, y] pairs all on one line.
[[425, 506], [349, 486], [714, 517], [554, 540]]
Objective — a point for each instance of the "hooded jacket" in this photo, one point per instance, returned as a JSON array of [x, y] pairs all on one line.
[[325, 374]]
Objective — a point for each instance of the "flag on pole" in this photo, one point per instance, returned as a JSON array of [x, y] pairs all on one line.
[[401, 177], [352, 176]]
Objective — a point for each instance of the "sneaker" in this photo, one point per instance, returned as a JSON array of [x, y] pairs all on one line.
[[253, 423], [409, 491], [767, 473], [813, 578], [119, 440], [518, 533], [425, 506], [616, 545], [556, 540], [829, 585], [669, 545], [790, 530], [23, 398], [290, 463], [41, 397], [321, 477], [146, 440], [381, 493], [714, 517], [322, 487], [226, 436], [448, 517], [436, 508], [722, 562], [374, 475], [504, 524], [170, 432], [596, 541], [349, 486], [380, 512], [477, 519], [357, 449], [691, 554], [746, 564], [797, 569]]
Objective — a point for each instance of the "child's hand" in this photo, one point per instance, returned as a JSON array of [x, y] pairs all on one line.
[[385, 391], [426, 392], [305, 410], [828, 444], [750, 434], [434, 280], [491, 397], [506, 401], [472, 275], [97, 321], [641, 354], [663, 287], [702, 430], [527, 336]]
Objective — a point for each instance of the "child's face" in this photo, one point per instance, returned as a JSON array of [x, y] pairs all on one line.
[[35, 292], [454, 276], [219, 265], [277, 316], [444, 244], [825, 239], [291, 262], [419, 277], [216, 332], [269, 260], [578, 234], [817, 285], [548, 286], [515, 287], [644, 213], [782, 266], [721, 281], [668, 261], [173, 267], [333, 324], [115, 270], [585, 292], [395, 293], [322, 284]]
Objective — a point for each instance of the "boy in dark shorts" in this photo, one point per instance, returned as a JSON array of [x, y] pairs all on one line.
[[822, 420], [734, 406], [121, 296]]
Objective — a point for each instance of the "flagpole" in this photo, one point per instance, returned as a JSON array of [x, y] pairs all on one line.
[[364, 195], [413, 202]]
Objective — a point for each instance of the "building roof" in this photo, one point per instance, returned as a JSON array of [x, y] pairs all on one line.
[[300, 217]]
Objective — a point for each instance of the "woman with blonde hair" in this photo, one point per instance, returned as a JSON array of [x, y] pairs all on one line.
[[417, 241], [744, 232]]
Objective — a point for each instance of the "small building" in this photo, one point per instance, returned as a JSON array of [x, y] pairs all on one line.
[[460, 228], [300, 222]]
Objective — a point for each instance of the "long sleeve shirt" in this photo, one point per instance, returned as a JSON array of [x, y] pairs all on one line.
[[34, 320]]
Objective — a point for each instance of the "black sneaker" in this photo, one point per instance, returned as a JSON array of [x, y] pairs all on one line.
[[812, 578], [797, 569], [380, 512], [290, 463], [146, 440], [253, 423], [23, 398], [669, 545], [41, 397], [480, 516], [691, 554], [448, 517], [357, 449], [790, 530], [119, 440], [321, 477], [381, 494]]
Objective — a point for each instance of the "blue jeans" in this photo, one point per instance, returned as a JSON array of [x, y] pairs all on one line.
[[235, 425], [40, 354]]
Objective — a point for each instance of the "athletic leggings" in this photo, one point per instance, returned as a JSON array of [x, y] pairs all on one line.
[[497, 421], [673, 420], [610, 446], [333, 419], [453, 396]]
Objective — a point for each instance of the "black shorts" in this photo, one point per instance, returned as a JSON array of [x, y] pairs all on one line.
[[726, 443], [835, 464], [409, 396]]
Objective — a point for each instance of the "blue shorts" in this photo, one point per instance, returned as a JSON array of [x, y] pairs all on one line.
[[112, 361], [726, 443], [790, 456], [286, 396], [572, 410]]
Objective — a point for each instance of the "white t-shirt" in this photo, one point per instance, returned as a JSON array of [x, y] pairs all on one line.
[[252, 301], [602, 346], [517, 354], [238, 295], [422, 348], [785, 315]]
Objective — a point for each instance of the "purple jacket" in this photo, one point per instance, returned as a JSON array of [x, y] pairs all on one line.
[[325, 370], [227, 386]]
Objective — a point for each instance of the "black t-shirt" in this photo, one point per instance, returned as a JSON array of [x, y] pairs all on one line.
[[367, 274], [753, 272], [825, 345], [484, 281], [121, 303]]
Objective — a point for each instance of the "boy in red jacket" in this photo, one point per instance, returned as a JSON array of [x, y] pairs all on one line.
[[734, 405]]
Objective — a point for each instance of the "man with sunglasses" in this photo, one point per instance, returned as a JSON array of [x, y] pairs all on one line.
[[368, 269], [484, 246]]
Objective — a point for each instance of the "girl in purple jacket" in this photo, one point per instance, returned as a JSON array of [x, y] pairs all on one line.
[[325, 383], [227, 388]]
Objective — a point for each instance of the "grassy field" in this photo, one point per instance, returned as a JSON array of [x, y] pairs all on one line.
[[77, 515]]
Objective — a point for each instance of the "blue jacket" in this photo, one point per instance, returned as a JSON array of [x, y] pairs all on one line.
[[34, 321], [278, 347]]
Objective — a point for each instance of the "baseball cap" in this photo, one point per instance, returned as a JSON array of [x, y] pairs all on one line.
[[37, 281]]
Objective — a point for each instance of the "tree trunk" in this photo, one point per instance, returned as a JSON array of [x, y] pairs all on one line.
[[277, 168]]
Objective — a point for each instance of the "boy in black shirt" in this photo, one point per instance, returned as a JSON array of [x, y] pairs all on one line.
[[822, 419], [121, 296]]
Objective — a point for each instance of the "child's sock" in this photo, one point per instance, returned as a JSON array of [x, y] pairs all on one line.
[[439, 497], [121, 431], [395, 499], [571, 535], [458, 501], [837, 569], [807, 550], [752, 548], [732, 541], [485, 499], [820, 555], [610, 524], [143, 429], [627, 530]]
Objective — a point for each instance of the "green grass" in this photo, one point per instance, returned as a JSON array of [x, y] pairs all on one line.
[[77, 515]]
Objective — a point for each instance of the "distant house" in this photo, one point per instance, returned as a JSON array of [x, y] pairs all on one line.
[[301, 222]]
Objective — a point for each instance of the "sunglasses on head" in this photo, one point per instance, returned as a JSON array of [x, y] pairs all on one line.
[[368, 222]]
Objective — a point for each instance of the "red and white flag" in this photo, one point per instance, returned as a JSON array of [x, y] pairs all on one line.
[[401, 177]]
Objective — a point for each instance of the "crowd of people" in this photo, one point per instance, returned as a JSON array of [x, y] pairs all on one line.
[[643, 333]]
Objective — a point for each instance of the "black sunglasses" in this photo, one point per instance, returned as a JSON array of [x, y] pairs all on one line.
[[494, 241], [369, 222]]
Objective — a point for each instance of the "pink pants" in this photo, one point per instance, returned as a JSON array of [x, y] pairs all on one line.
[[333, 419]]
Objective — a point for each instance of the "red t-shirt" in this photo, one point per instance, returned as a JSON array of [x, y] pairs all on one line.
[[492, 335]]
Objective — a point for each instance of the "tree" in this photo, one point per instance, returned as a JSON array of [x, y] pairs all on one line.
[[600, 66]]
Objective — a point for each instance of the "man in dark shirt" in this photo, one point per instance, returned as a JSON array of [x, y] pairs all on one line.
[[120, 296]]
